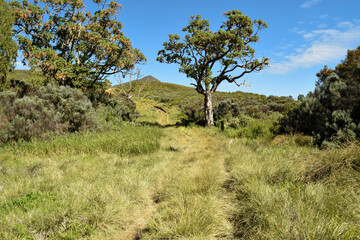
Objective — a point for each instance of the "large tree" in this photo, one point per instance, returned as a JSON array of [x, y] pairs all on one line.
[[228, 51], [72, 46], [8, 47]]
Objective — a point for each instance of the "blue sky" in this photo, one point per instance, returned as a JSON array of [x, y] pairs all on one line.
[[302, 37]]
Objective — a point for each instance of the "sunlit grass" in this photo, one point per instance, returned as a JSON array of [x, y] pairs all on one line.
[[78, 186], [179, 183], [291, 192], [127, 140], [191, 204]]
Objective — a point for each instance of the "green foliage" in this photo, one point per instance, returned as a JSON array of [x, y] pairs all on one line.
[[202, 52], [70, 46], [27, 76], [37, 112], [251, 128], [332, 111], [45, 110], [231, 108], [8, 47], [112, 108]]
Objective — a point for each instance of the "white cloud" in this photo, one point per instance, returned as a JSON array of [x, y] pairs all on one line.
[[324, 16], [345, 25], [322, 25], [310, 3], [326, 45]]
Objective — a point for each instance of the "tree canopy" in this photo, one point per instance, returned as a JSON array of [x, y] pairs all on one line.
[[8, 47], [71, 46], [228, 51]]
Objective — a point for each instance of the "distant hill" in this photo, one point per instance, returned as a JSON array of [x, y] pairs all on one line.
[[169, 94], [149, 79]]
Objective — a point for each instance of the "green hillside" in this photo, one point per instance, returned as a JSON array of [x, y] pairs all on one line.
[[177, 100]]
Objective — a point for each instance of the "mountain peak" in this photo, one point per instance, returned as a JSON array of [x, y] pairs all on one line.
[[149, 78]]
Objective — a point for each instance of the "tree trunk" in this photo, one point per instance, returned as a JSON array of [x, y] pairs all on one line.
[[209, 115]]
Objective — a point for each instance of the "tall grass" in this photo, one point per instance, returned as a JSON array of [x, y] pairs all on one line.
[[191, 202], [127, 140], [289, 192], [80, 186]]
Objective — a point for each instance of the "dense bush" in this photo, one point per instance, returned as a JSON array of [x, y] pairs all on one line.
[[230, 110], [28, 112], [111, 107], [331, 113], [252, 128]]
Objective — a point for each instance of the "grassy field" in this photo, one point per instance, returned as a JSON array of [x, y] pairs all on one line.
[[157, 180], [180, 183]]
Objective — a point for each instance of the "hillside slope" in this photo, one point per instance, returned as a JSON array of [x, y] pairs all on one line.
[[178, 99]]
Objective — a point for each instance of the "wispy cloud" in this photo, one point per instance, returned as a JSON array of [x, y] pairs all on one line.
[[324, 46], [310, 3]]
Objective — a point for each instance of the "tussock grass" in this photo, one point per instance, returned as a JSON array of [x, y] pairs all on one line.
[[127, 140], [190, 202], [76, 191], [289, 192], [193, 183]]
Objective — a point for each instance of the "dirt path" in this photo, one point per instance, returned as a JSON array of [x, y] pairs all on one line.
[[189, 201]]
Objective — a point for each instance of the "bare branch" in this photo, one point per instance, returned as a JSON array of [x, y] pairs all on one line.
[[129, 89]]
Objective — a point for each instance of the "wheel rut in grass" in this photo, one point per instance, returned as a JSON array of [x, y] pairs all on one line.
[[190, 200]]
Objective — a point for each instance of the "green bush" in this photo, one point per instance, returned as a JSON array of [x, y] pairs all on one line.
[[331, 113], [29, 112], [112, 108], [43, 111], [252, 128]]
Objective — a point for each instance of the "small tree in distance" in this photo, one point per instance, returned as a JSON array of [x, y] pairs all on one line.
[[227, 50]]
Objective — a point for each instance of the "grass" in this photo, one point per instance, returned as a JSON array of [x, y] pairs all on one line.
[[146, 182], [191, 202], [180, 183], [127, 140], [290, 192], [78, 186]]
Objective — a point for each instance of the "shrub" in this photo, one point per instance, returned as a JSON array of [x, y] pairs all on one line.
[[252, 128], [331, 112], [29, 112], [43, 111], [112, 108], [256, 129]]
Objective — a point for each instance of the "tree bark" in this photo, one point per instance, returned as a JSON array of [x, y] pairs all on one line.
[[209, 115]]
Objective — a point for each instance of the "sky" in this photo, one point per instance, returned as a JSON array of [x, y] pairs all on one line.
[[302, 37]]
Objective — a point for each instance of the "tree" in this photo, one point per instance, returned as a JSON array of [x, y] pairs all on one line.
[[227, 50], [332, 111], [73, 47], [8, 47]]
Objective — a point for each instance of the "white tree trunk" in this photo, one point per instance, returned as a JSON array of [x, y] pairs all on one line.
[[209, 115]]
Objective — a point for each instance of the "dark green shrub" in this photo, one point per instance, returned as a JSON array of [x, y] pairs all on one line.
[[192, 113], [43, 111], [331, 112], [29, 112], [112, 108]]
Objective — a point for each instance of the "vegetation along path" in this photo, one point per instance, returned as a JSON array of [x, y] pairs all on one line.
[[142, 182]]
